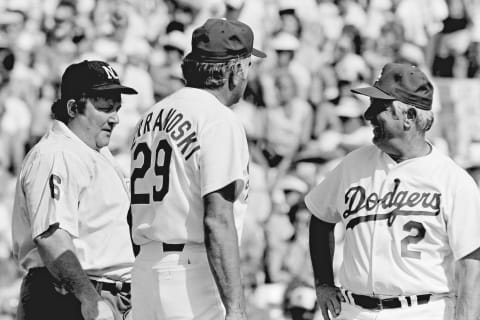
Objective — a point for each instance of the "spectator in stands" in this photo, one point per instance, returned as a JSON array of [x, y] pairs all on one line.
[[288, 126], [165, 68]]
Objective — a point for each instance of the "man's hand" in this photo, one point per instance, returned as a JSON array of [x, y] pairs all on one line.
[[97, 310], [329, 298]]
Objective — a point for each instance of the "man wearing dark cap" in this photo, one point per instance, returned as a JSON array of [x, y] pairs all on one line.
[[189, 185], [69, 225], [410, 216]]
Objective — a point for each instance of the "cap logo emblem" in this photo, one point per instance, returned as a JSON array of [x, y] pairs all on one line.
[[111, 74]]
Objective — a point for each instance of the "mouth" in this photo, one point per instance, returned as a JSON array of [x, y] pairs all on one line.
[[107, 130]]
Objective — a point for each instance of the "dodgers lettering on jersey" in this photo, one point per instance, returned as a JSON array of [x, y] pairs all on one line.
[[184, 147], [356, 199], [404, 222]]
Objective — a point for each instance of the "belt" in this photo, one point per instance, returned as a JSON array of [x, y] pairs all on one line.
[[113, 287], [373, 303], [172, 246]]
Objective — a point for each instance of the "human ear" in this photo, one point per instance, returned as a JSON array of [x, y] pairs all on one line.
[[411, 116], [72, 109], [233, 80]]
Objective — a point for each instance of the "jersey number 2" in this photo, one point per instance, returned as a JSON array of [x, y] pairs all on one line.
[[417, 233], [160, 170]]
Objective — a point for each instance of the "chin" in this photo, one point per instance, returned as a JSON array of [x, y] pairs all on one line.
[[103, 143]]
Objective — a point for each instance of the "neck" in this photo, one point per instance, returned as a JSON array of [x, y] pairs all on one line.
[[78, 130], [223, 95], [413, 150]]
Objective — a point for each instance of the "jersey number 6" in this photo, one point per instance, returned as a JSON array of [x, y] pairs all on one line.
[[160, 170]]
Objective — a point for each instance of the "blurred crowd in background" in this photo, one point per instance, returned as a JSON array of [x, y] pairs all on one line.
[[298, 111]]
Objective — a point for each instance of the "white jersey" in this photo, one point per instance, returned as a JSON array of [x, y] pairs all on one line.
[[185, 147], [64, 182], [406, 223]]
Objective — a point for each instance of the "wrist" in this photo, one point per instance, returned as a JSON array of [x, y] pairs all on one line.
[[325, 283], [88, 297]]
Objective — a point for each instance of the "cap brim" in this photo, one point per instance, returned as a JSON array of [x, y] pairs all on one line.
[[115, 87], [373, 92], [258, 53]]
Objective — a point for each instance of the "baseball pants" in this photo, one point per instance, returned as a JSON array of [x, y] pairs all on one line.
[[39, 300], [174, 285], [439, 309]]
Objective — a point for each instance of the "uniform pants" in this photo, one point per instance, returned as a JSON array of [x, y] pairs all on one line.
[[438, 309], [39, 300], [174, 285]]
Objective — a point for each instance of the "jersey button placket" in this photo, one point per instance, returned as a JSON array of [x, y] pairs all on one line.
[[386, 185]]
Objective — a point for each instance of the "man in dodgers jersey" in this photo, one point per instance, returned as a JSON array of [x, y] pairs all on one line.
[[70, 230], [189, 185], [410, 214]]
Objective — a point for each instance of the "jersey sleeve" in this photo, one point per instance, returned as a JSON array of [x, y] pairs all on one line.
[[51, 187], [223, 157], [325, 199], [463, 216]]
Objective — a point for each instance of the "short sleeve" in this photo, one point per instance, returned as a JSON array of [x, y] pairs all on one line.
[[463, 217], [325, 199], [51, 187], [223, 156]]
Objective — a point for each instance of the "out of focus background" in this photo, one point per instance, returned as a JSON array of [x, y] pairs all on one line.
[[298, 111]]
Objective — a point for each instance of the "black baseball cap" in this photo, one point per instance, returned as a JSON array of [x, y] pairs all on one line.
[[402, 82], [91, 77], [220, 40]]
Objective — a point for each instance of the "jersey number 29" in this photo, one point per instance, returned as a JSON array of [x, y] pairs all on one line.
[[161, 167]]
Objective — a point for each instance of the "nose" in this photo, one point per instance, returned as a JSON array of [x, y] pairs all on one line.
[[114, 119]]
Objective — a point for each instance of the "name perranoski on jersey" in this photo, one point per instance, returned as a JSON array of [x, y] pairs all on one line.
[[177, 127]]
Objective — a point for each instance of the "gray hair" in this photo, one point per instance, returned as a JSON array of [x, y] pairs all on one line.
[[210, 75], [424, 118]]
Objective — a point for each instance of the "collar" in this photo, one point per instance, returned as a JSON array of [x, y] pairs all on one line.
[[61, 128]]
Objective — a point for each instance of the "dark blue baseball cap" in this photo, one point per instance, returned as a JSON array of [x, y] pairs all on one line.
[[220, 40], [401, 82], [91, 77]]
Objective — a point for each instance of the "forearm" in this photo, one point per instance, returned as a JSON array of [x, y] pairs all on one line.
[[57, 252], [468, 293], [321, 241], [223, 255], [221, 243]]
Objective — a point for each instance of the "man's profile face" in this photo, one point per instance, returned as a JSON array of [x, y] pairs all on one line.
[[242, 76], [387, 125], [99, 119]]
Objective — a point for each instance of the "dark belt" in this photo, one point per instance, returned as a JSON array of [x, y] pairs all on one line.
[[173, 246], [367, 302], [113, 287]]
